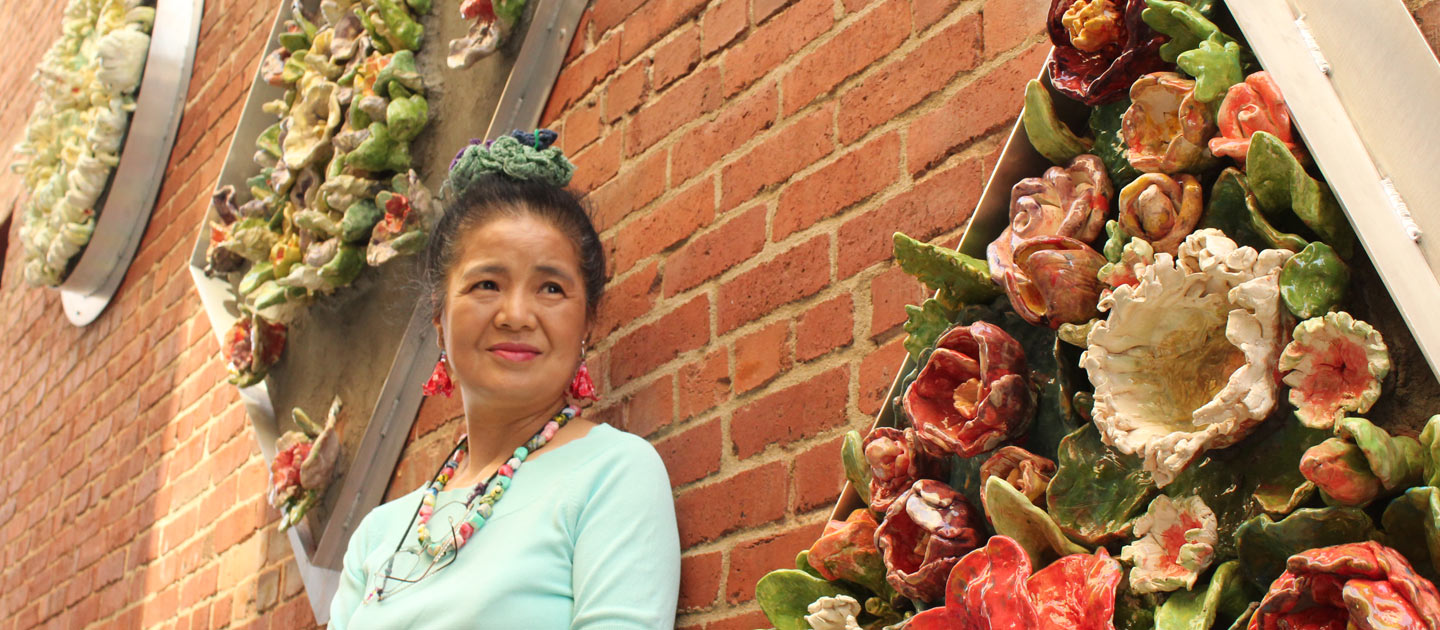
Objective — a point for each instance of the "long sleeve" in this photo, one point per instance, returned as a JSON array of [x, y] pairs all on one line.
[[627, 547]]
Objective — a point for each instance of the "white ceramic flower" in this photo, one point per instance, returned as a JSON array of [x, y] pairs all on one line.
[[1175, 543], [834, 613], [1186, 360], [1334, 367]]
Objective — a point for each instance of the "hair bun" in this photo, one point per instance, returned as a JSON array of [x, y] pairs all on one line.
[[523, 156]]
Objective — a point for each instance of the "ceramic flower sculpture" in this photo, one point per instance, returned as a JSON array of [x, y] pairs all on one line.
[[1255, 105], [1185, 361], [1175, 543], [1068, 201], [924, 534], [1101, 47], [973, 394], [251, 346], [1025, 471], [1160, 209], [71, 143], [1054, 281], [896, 462], [1362, 462], [304, 464], [1357, 585], [834, 613], [1166, 129], [493, 21], [847, 551], [1333, 366]]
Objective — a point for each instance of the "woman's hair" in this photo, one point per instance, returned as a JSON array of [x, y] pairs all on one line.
[[516, 175]]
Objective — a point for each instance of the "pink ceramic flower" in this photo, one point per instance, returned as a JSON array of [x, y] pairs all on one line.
[[1166, 128], [1072, 201], [1175, 543], [1255, 105], [1333, 366], [1356, 585], [973, 394], [1054, 281]]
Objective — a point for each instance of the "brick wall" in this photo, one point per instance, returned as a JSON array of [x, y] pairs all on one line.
[[747, 159]]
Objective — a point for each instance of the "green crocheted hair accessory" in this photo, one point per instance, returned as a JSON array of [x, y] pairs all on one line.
[[521, 156]]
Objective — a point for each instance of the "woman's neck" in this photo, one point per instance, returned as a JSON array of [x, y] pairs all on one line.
[[493, 436]]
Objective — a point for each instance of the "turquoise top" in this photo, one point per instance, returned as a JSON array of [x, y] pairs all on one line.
[[585, 537]]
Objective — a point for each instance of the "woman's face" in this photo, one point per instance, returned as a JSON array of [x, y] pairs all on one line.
[[515, 312]]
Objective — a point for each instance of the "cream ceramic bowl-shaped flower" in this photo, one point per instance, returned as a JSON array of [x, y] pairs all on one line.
[[1185, 361]]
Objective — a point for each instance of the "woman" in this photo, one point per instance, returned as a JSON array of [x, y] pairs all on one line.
[[540, 519]]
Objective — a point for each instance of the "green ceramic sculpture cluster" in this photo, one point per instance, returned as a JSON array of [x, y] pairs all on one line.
[[335, 190], [1148, 407]]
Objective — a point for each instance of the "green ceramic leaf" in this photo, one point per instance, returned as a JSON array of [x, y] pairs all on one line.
[[1233, 210], [1109, 147], [1215, 64], [1096, 493], [802, 563], [1050, 137], [1243, 621], [1281, 183], [960, 279], [1225, 597], [1412, 527], [1012, 514], [1396, 461], [1313, 281], [1115, 239], [1430, 451], [857, 469], [1186, 26], [1279, 487], [1263, 544], [924, 324], [1134, 611], [786, 594]]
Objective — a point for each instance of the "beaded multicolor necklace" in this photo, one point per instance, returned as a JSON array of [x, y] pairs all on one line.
[[489, 492]]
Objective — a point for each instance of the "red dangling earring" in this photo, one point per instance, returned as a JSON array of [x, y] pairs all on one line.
[[439, 382], [582, 386]]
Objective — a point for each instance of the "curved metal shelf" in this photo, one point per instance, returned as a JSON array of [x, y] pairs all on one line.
[[136, 181]]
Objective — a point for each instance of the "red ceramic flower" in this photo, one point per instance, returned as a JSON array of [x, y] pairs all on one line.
[[285, 472], [1251, 106], [924, 534], [1025, 471], [1054, 281], [249, 353], [896, 463], [1071, 201], [847, 551], [973, 393], [1101, 47], [1356, 585], [991, 589]]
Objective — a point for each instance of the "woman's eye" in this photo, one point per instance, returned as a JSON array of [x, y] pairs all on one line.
[[485, 285], [552, 288]]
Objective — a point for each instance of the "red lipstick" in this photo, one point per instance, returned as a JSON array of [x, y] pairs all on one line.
[[512, 351]]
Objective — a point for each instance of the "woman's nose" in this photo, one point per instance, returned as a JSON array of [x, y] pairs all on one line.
[[516, 311]]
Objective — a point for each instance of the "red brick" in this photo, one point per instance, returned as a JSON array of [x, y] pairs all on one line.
[[611, 13], [743, 621], [638, 184], [699, 580], [874, 35], [581, 38], [686, 101], [761, 356], [670, 222], [752, 559], [775, 41], [693, 453], [652, 345], [819, 476], [852, 177], [627, 300], [746, 499], [738, 121], [939, 203], [794, 413], [990, 102], [877, 372], [711, 253], [1010, 22], [656, 19], [928, 12], [889, 293], [627, 90], [435, 412], [652, 407], [762, 9], [800, 272], [675, 58], [720, 25], [702, 384], [798, 144], [582, 126], [579, 77], [902, 83], [825, 327], [597, 163]]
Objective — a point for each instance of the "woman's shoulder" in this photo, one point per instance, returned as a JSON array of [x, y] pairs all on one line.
[[607, 447]]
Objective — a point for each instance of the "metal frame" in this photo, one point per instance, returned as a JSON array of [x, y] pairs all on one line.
[[136, 181], [551, 26], [1344, 96]]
